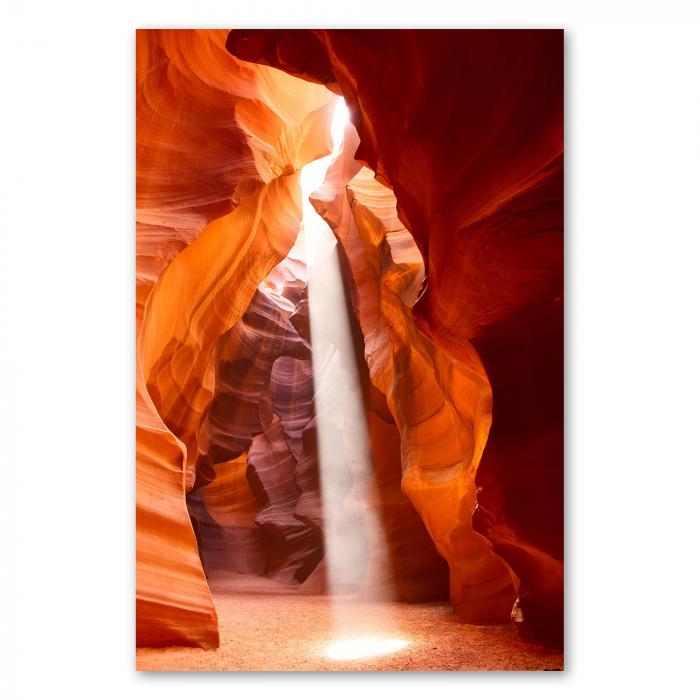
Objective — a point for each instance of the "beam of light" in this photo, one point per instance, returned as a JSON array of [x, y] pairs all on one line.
[[356, 553], [352, 529], [355, 547], [350, 649], [313, 243]]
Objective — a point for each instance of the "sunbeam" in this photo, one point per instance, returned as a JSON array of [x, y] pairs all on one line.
[[352, 528]]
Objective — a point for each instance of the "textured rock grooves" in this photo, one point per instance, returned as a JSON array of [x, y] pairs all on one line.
[[219, 146], [467, 130], [452, 258]]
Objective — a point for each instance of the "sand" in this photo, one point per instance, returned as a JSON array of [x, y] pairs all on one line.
[[292, 633]]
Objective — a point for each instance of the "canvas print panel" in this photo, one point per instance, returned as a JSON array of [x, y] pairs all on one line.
[[349, 258]]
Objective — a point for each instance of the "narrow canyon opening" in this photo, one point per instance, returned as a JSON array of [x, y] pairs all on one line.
[[288, 499]]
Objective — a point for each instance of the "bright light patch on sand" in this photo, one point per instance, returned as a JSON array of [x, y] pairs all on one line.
[[349, 649]]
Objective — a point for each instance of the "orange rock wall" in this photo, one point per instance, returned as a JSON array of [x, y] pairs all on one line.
[[454, 269], [219, 146], [441, 407], [262, 406], [466, 128]]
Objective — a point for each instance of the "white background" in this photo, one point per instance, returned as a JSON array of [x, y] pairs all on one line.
[[67, 299]]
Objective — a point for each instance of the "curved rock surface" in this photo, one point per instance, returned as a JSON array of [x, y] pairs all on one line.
[[263, 406], [441, 407], [219, 145], [452, 259], [225, 393], [467, 129]]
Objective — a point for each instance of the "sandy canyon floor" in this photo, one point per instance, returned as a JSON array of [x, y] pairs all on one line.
[[262, 632]]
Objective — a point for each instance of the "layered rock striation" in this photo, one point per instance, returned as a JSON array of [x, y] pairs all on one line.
[[225, 394], [441, 407], [446, 205], [262, 409], [219, 148], [466, 128]]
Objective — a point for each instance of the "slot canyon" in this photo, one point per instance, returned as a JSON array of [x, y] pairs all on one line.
[[349, 328]]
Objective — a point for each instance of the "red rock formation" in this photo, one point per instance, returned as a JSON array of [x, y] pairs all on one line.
[[263, 403], [467, 130], [225, 397], [441, 407], [454, 275], [263, 406], [219, 145], [223, 514]]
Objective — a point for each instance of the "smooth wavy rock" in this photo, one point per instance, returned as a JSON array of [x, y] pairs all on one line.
[[262, 405], [219, 146], [173, 604], [455, 280], [441, 407], [466, 128], [223, 513]]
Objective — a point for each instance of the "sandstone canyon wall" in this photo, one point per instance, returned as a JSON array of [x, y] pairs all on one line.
[[446, 203], [441, 407], [225, 409], [466, 128], [219, 146]]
